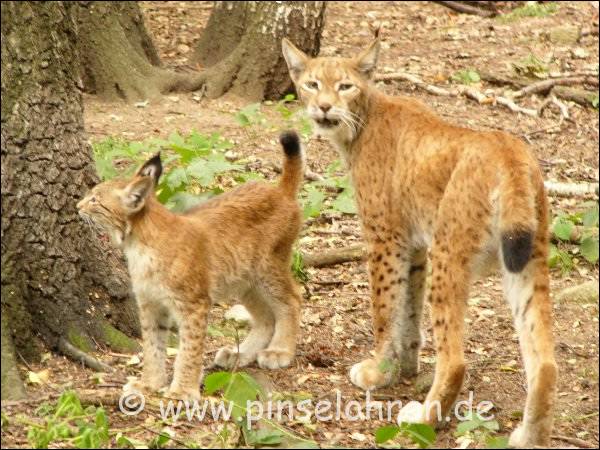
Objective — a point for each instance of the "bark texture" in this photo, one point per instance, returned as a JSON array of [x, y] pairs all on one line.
[[241, 46], [58, 280], [119, 59]]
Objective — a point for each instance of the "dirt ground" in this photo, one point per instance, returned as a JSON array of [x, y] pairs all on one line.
[[428, 40]]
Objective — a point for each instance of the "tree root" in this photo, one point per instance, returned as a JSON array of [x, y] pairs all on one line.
[[77, 355]]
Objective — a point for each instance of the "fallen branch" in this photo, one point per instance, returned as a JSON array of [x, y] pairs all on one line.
[[579, 96], [461, 91], [570, 189], [573, 441], [335, 256], [77, 355], [544, 86], [466, 9], [414, 80], [358, 252]]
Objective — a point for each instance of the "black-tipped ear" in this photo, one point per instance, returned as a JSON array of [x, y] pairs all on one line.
[[294, 57], [367, 60], [151, 168]]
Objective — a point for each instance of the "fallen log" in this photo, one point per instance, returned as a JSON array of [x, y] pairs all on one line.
[[570, 189]]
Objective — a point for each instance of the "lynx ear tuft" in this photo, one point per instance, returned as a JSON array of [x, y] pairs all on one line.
[[151, 168], [367, 60], [294, 57]]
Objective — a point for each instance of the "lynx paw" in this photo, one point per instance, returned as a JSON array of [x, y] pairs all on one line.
[[412, 412], [369, 375], [522, 437], [274, 359], [143, 385], [183, 393], [227, 357]]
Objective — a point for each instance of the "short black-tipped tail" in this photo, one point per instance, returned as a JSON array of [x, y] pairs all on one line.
[[516, 249], [292, 173]]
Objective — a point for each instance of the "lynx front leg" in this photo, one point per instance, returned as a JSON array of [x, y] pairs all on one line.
[[154, 322], [188, 363], [407, 322], [389, 275]]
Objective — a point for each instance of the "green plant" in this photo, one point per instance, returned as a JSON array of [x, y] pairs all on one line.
[[581, 229], [421, 434], [70, 423], [531, 66], [466, 76], [298, 267], [193, 164], [530, 9], [482, 431]]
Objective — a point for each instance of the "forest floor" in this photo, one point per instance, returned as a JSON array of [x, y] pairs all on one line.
[[424, 39]]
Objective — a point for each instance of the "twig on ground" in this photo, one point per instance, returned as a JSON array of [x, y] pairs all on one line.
[[552, 100], [466, 9], [75, 354], [466, 91], [573, 441], [544, 86]]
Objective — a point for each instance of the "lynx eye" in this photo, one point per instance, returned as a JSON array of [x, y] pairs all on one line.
[[345, 86], [311, 85], [93, 199]]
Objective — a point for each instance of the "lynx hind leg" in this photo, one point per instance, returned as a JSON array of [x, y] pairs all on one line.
[[262, 325], [283, 299], [528, 295], [407, 322]]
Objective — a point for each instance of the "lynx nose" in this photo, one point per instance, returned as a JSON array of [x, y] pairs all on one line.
[[325, 107]]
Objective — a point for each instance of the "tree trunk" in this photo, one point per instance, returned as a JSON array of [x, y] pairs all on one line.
[[119, 60], [58, 279], [242, 46]]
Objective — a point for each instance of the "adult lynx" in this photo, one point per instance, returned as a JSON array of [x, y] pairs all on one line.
[[237, 244], [471, 197]]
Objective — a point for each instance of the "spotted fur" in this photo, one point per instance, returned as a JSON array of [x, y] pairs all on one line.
[[470, 198]]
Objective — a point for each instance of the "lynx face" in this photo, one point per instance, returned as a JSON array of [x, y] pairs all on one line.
[[109, 205], [332, 88]]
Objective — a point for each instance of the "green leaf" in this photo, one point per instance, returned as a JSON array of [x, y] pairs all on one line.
[[563, 228], [345, 203], [496, 442], [68, 405], [386, 433], [421, 434], [313, 203], [589, 248], [590, 217], [264, 436], [468, 425], [176, 178], [216, 381]]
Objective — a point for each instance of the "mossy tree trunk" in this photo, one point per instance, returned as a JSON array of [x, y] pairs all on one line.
[[60, 283], [241, 45], [118, 57]]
